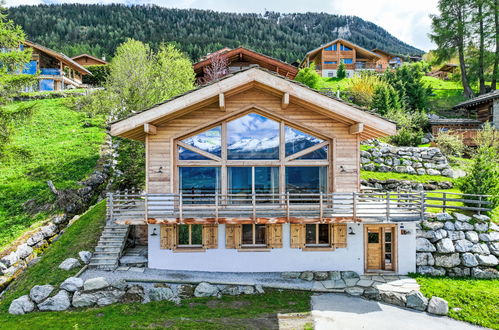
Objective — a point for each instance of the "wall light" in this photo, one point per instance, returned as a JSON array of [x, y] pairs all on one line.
[[154, 232], [350, 231]]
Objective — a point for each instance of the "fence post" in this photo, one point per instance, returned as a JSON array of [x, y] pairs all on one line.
[[387, 206], [146, 207], [320, 207], [180, 207], [287, 206], [422, 204], [479, 204], [253, 201], [354, 205], [444, 195], [216, 207]]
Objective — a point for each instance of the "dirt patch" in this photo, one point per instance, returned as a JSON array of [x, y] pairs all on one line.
[[238, 304]]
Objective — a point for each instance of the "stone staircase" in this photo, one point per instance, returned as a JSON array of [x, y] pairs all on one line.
[[110, 247]]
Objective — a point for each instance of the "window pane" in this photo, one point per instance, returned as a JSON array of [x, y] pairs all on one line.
[[260, 234], [267, 180], [388, 247], [297, 140], [316, 154], [323, 234], [186, 154], [239, 182], [388, 237], [199, 180], [183, 234], [209, 141], [306, 179], [310, 231], [196, 234], [247, 234], [373, 238], [253, 137]]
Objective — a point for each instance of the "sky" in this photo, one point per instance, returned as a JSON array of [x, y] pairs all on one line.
[[407, 20]]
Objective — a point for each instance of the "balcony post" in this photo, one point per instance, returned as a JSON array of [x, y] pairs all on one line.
[[216, 207], [287, 206], [422, 205], [321, 210], [387, 206], [180, 208], [354, 206], [146, 207], [253, 201]]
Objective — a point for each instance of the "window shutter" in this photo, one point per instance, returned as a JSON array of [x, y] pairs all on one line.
[[232, 236], [167, 236], [339, 235], [274, 236], [210, 236], [297, 236]]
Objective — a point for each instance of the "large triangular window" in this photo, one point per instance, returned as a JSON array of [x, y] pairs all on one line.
[[203, 146], [300, 145]]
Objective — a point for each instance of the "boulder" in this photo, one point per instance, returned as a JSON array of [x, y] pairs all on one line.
[[355, 291], [69, 264], [95, 283], [494, 248], [431, 171], [321, 276], [432, 225], [40, 292], [463, 245], [231, 290], [424, 245], [204, 289], [394, 298], [436, 235], [49, 230], [447, 260], [159, 294], [490, 237], [247, 289], [59, 219], [481, 227], [424, 259], [10, 259], [429, 270], [335, 275], [109, 297], [460, 225], [349, 274], [444, 216], [448, 172], [307, 276], [481, 218], [416, 300], [486, 260], [23, 251], [85, 256], [471, 236], [445, 246], [81, 299], [259, 289], [186, 290], [459, 272], [485, 273], [371, 293], [21, 305], [480, 248], [120, 284], [35, 238], [455, 235], [291, 275], [449, 225], [469, 260], [72, 284], [59, 302], [351, 281], [438, 306], [461, 217]]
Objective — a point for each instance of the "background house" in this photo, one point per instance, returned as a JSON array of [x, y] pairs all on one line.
[[387, 60], [86, 59], [328, 57], [56, 70]]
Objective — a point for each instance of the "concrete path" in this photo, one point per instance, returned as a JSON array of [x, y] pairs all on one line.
[[342, 312]]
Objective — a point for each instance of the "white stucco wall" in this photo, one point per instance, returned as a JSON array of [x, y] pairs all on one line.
[[278, 260], [332, 73]]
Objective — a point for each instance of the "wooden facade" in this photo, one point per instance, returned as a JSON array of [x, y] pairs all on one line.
[[86, 59], [387, 60]]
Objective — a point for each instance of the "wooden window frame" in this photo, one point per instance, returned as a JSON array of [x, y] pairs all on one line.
[[254, 245], [317, 244], [189, 246]]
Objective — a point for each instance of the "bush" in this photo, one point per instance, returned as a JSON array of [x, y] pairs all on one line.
[[407, 137], [362, 88], [99, 75], [308, 76], [450, 144], [411, 127], [385, 98], [341, 73]]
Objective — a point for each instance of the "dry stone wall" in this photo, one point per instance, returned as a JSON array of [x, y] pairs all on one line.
[[458, 245]]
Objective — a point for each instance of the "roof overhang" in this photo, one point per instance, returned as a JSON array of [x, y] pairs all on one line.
[[74, 58], [361, 122]]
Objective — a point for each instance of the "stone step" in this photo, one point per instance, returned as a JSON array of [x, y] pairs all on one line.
[[107, 249], [107, 254], [110, 236]]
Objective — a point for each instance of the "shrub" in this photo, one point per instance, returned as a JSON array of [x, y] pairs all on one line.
[[341, 73], [99, 75], [411, 127], [407, 137], [308, 76], [385, 98], [362, 88], [450, 144]]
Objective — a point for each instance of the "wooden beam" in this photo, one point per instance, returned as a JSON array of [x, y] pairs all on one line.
[[356, 128], [150, 129], [285, 100], [221, 101]]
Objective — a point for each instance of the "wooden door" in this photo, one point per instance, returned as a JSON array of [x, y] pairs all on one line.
[[374, 248]]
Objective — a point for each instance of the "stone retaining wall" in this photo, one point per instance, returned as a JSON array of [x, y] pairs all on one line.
[[458, 245], [405, 185]]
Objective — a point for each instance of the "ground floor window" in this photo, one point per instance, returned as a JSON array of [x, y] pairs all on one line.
[[253, 235], [190, 235], [317, 235]]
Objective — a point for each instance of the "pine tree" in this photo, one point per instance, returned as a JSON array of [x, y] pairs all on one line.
[[341, 73]]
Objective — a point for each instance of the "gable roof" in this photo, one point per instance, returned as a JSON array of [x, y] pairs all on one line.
[[89, 56], [359, 49], [60, 56], [242, 53], [377, 50], [133, 126], [479, 99]]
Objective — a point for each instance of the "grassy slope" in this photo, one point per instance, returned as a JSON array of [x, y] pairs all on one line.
[[402, 176], [478, 299], [56, 143]]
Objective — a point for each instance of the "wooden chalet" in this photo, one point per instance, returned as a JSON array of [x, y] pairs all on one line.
[[255, 172], [387, 60], [240, 58], [328, 57], [55, 70], [443, 71], [86, 60]]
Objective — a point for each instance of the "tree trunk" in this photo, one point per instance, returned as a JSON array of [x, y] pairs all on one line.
[[495, 71], [481, 49], [468, 92]]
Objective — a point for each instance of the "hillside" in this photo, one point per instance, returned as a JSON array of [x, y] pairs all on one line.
[[55, 143], [98, 29]]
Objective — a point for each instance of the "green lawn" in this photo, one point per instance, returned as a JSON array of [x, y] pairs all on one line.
[[335, 83], [56, 143], [476, 301], [365, 175]]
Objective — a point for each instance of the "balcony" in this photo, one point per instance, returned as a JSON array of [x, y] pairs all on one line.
[[364, 66], [50, 72]]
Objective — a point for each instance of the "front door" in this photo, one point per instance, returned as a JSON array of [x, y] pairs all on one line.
[[380, 247]]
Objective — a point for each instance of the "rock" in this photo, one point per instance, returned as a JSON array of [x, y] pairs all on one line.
[[81, 299], [364, 160], [489, 237], [21, 305], [85, 256], [59, 219], [371, 293], [481, 227], [493, 226], [456, 235], [186, 290], [335, 275], [307, 276], [321, 276], [432, 225], [394, 298], [40, 292], [431, 171], [416, 300], [334, 284], [259, 289], [445, 246], [438, 306], [461, 217], [369, 167], [247, 289], [480, 248], [486, 260], [424, 259], [351, 281], [23, 251], [59, 302], [355, 291], [471, 236], [485, 273], [448, 173], [69, 264], [469, 260], [463, 245], [420, 171], [444, 216], [460, 225], [10, 259], [424, 245], [481, 217], [494, 248], [204, 289], [449, 225], [458, 272], [447, 260], [231, 290], [72, 284], [349, 274], [120, 284], [291, 275], [49, 230], [37, 237], [160, 294], [95, 283], [110, 297]]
